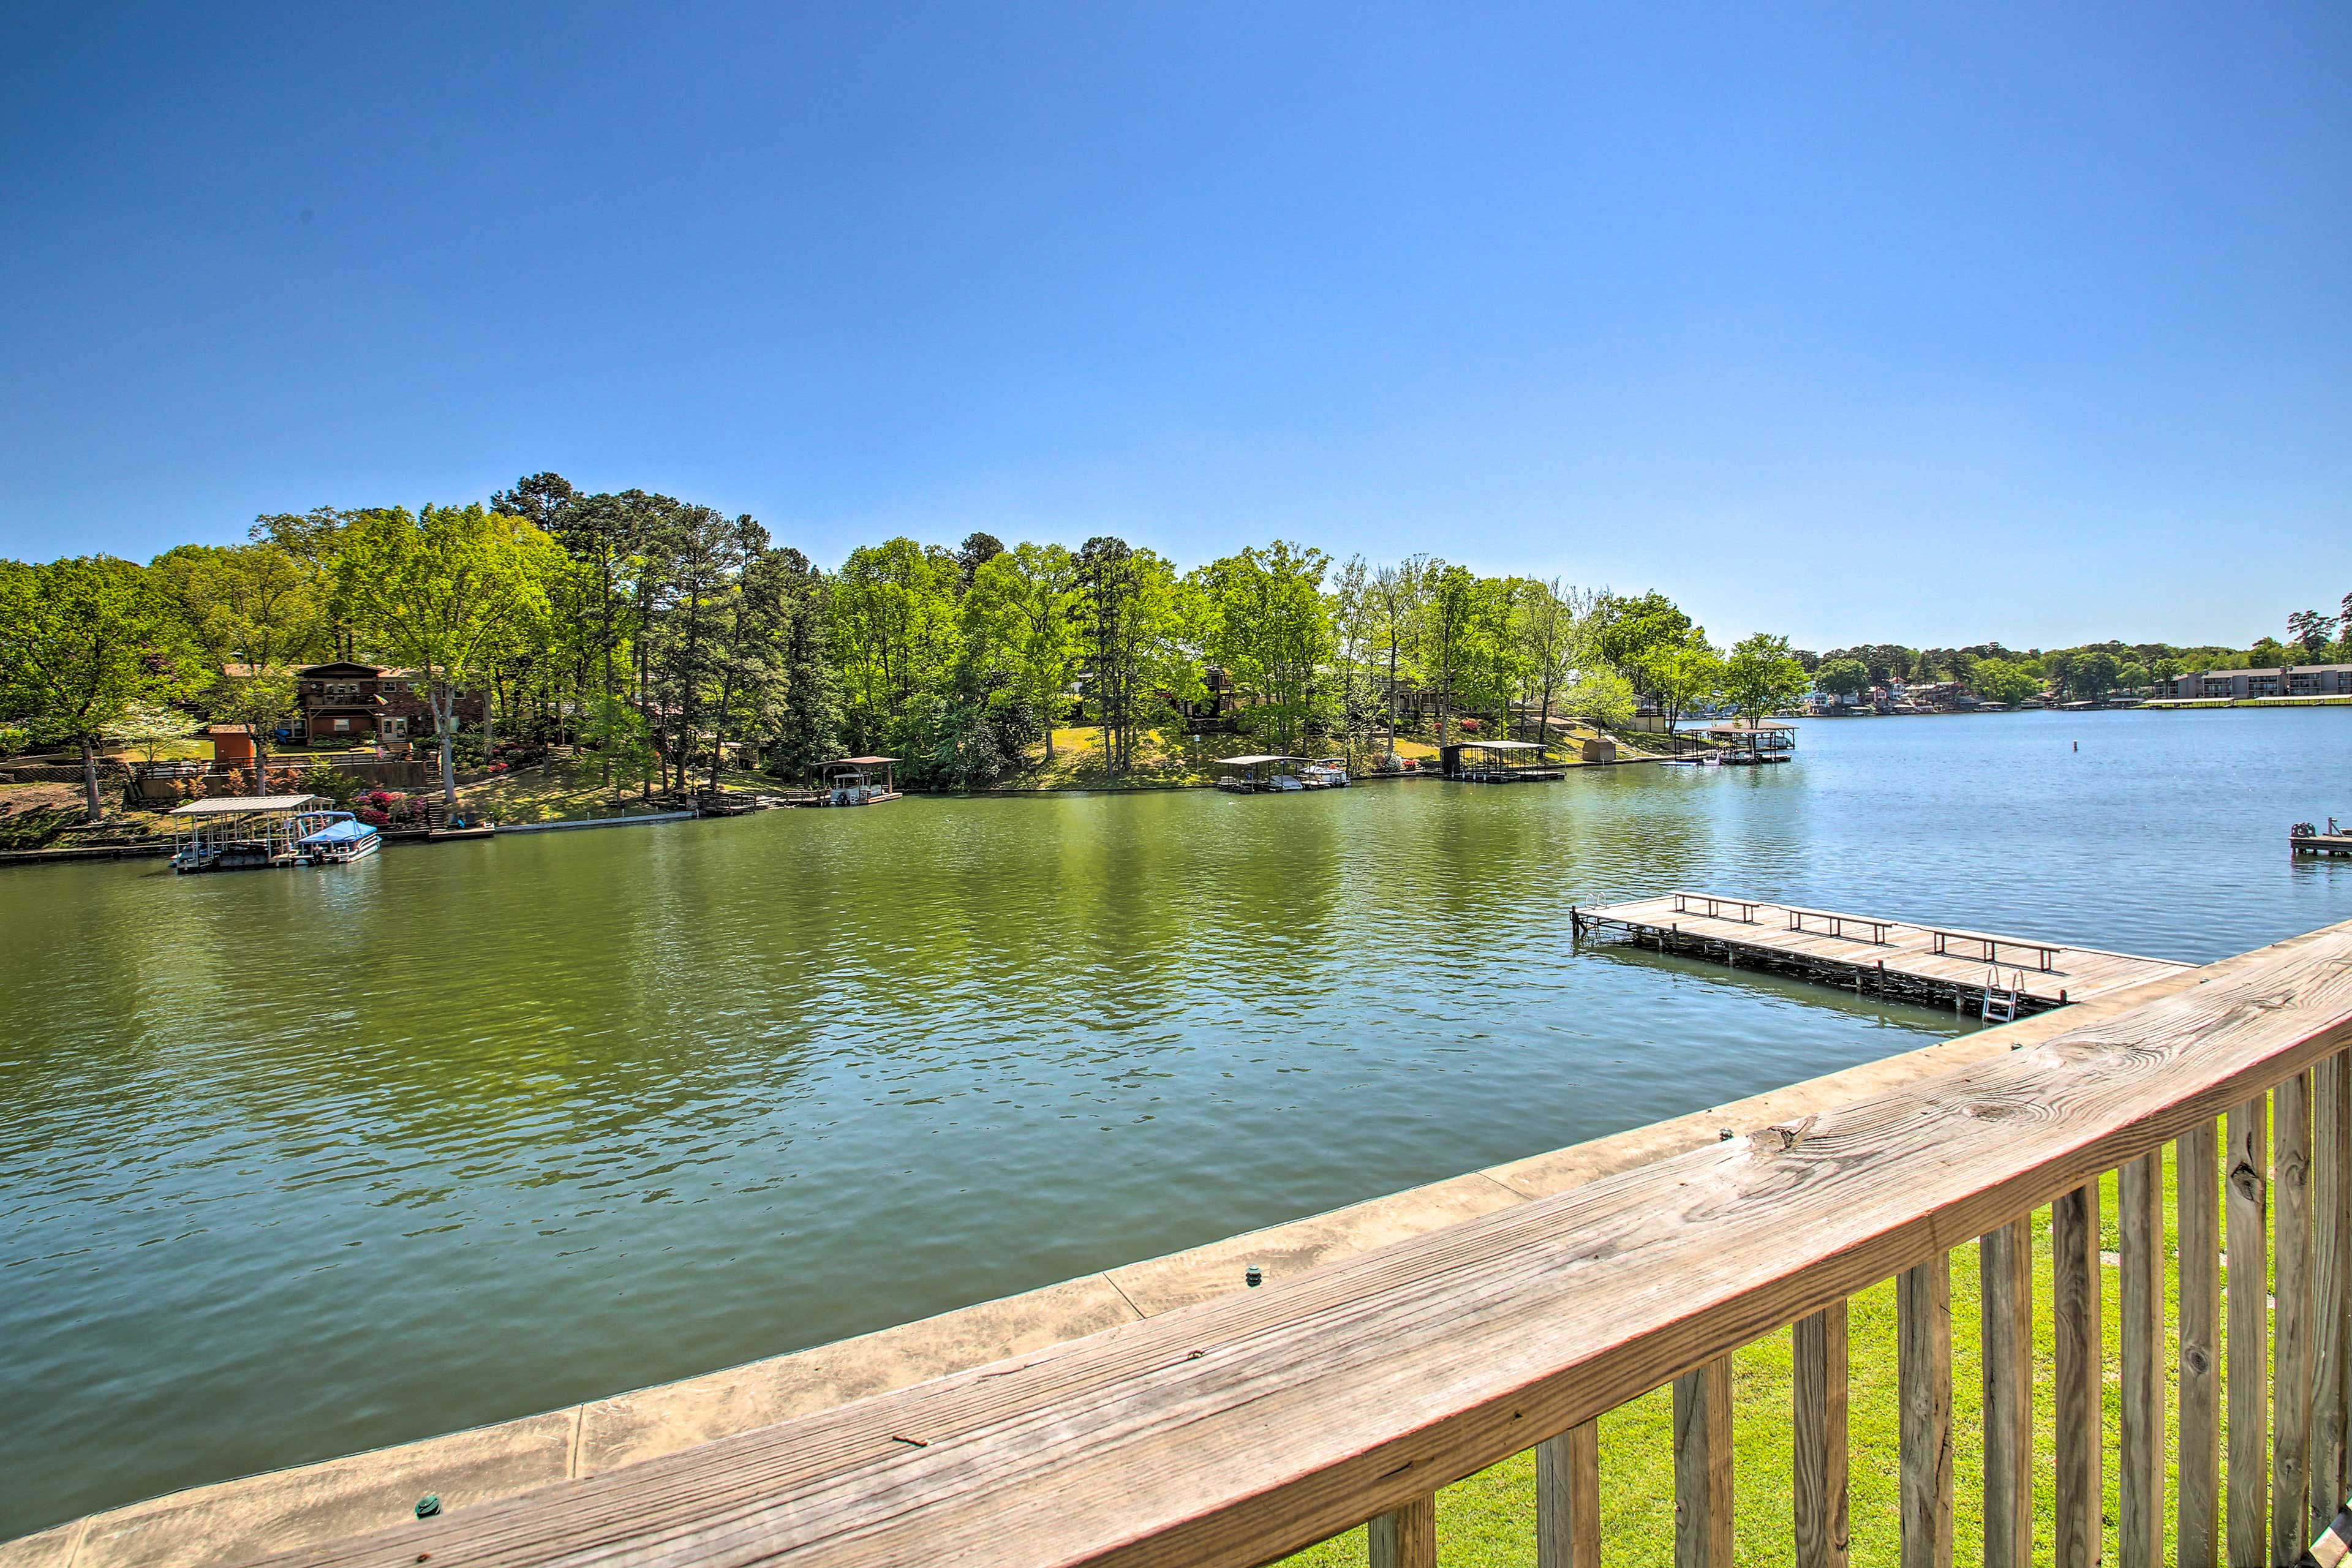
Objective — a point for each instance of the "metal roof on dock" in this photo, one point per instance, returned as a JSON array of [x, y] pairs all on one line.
[[236, 804]]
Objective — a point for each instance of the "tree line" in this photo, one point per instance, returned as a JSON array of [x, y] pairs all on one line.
[[2089, 672], [667, 638]]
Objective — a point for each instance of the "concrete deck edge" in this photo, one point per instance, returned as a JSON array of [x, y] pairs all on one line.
[[241, 1520]]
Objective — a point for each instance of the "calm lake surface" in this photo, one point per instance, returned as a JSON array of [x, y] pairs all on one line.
[[301, 1162]]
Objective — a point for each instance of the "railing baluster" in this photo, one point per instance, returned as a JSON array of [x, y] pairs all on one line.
[[2077, 1403], [1821, 1433], [2331, 1263], [2005, 1270], [2140, 1203], [2198, 1182], [1923, 1316], [1405, 1538], [2291, 1327], [1703, 1465], [2248, 1205], [1567, 1499]]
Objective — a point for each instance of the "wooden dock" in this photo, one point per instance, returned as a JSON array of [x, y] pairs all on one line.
[[2000, 977], [2320, 843]]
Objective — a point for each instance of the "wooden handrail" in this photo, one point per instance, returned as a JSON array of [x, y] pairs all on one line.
[[1799, 915], [1714, 904], [1993, 944], [1249, 1426]]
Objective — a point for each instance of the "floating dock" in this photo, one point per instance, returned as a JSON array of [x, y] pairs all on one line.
[[2320, 843], [2000, 977]]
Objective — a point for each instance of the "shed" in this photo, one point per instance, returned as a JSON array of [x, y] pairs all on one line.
[[232, 744]]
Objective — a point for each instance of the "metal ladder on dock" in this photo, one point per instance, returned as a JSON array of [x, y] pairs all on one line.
[[2000, 1001]]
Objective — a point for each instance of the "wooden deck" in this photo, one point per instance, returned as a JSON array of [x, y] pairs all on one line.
[[1874, 954], [2320, 843]]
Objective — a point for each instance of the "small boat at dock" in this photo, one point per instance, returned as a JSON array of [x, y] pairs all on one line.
[[852, 781], [333, 838]]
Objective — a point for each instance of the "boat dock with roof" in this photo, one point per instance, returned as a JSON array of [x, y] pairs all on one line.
[[2002, 976], [1499, 762], [242, 832]]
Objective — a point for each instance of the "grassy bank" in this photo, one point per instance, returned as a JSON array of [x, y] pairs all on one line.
[[1489, 1521], [573, 789]]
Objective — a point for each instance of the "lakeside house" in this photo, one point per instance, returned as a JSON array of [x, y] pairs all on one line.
[[343, 700], [2244, 685]]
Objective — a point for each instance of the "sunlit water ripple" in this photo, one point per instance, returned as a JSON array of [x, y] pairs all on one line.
[[298, 1163]]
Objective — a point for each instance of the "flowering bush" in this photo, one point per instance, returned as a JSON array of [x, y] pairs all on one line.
[[372, 817], [495, 768]]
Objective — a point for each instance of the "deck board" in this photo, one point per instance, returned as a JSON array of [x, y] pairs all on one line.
[[1906, 961]]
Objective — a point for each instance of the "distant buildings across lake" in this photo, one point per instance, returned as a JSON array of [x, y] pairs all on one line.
[[2244, 685]]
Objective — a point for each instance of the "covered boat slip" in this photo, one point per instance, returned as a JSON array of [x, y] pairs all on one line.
[[240, 832], [1753, 745], [1274, 773], [2004, 976], [1499, 762]]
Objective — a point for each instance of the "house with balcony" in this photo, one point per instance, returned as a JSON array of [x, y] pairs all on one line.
[[344, 700]]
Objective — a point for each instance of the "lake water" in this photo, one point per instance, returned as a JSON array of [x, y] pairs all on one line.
[[301, 1162]]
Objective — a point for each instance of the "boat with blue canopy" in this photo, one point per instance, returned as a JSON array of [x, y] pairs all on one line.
[[334, 838]]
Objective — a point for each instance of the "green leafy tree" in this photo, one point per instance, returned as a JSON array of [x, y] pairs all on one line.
[[620, 734], [2091, 674], [254, 612], [1844, 678], [604, 536], [148, 725], [436, 590], [1762, 675], [1128, 615], [1631, 634], [2004, 681], [1682, 674], [1399, 593], [808, 720], [1266, 622], [1018, 623], [1449, 626], [1599, 693], [1553, 638], [1355, 630], [703, 553], [82, 641], [895, 632], [1492, 669]]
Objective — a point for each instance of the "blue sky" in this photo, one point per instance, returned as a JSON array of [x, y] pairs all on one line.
[[2024, 322]]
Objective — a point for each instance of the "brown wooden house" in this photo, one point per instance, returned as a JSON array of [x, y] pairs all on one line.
[[347, 701]]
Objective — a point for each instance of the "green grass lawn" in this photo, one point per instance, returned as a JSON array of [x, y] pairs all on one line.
[[1489, 1518], [566, 789]]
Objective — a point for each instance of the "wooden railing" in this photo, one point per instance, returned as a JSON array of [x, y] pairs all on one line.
[[1244, 1428], [1834, 924], [1988, 947], [1713, 906]]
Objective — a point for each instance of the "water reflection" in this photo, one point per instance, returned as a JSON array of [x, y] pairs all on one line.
[[301, 1164]]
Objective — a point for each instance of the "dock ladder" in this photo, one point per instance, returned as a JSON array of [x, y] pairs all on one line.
[[2000, 1001]]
